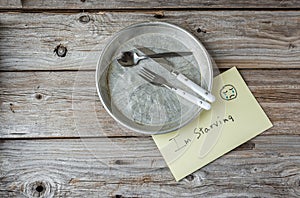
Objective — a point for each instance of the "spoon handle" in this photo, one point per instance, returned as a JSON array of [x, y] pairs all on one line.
[[169, 54]]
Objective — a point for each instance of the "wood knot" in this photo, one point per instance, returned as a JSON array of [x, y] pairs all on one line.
[[38, 96], [159, 15], [292, 46], [82, 1], [61, 50], [246, 146], [37, 189], [121, 162], [84, 19], [190, 177], [118, 162], [38, 185], [201, 30], [118, 196], [266, 22]]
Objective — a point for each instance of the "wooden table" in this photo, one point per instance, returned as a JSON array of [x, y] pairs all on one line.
[[42, 48]]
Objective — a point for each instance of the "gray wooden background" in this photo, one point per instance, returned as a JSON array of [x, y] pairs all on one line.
[[43, 155]]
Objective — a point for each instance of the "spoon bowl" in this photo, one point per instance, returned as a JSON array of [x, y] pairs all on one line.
[[129, 59]]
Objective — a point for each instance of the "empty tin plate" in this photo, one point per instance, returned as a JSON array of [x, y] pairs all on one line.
[[139, 105]]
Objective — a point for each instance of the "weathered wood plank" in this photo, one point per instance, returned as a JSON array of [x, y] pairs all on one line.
[[249, 39], [144, 4], [10, 4], [64, 168], [39, 104]]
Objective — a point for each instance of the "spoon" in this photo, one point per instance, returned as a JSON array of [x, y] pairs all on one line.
[[130, 58]]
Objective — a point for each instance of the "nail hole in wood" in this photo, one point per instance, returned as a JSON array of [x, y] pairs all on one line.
[[84, 19], [201, 30], [118, 196], [82, 0], [61, 50], [38, 96], [39, 188], [11, 106]]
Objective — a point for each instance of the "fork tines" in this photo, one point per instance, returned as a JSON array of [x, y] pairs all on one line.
[[146, 74]]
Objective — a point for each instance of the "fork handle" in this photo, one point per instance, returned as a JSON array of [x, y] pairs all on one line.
[[192, 98], [169, 54], [196, 88]]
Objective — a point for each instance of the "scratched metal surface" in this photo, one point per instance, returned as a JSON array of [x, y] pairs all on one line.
[[145, 107]]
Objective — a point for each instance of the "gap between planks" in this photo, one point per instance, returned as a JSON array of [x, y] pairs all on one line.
[[222, 69], [137, 10]]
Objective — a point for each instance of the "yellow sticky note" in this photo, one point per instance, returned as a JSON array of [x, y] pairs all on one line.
[[235, 118]]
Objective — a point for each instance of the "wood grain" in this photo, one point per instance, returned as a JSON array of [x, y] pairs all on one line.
[[52, 145], [65, 168], [10, 4], [50, 104], [249, 39], [143, 4]]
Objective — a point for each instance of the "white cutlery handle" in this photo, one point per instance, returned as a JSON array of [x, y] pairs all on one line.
[[196, 88], [192, 98]]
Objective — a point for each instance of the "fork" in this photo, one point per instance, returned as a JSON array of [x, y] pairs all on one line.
[[158, 80]]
